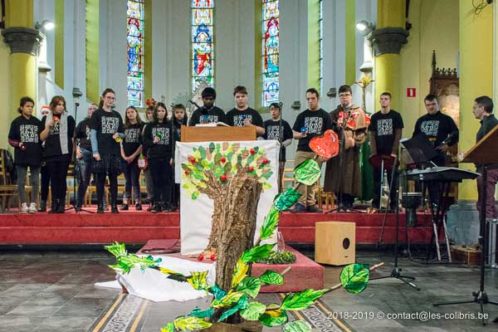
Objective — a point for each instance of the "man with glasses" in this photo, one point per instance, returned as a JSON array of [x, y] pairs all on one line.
[[208, 113], [342, 174]]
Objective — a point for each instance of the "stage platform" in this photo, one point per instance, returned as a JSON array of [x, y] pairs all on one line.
[[137, 227]]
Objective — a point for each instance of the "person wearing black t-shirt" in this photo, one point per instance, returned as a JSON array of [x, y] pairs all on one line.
[[44, 172], [106, 133], [83, 156], [278, 129], [442, 133], [439, 128], [385, 132], [483, 111], [242, 115], [180, 119], [24, 137], [310, 123], [149, 185], [131, 147], [208, 113], [343, 173], [58, 136], [158, 140]]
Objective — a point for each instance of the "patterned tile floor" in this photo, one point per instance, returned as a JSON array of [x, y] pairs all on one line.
[[53, 291]]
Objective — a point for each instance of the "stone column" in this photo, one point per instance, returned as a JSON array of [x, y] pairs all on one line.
[[24, 43], [387, 40]]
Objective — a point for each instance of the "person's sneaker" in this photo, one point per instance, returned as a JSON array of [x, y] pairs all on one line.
[[24, 208], [32, 208], [298, 208], [138, 207], [124, 207], [314, 208], [156, 208]]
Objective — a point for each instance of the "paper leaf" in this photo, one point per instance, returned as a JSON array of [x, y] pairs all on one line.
[[301, 300], [272, 318], [253, 311], [307, 172], [201, 313], [270, 224], [250, 286], [117, 249], [170, 327], [198, 280], [190, 323], [354, 278], [285, 200], [239, 273], [217, 292], [256, 253], [297, 326], [241, 304], [326, 145], [227, 300], [271, 278]]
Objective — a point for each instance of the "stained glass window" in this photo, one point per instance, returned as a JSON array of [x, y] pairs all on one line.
[[202, 42], [270, 47], [135, 36]]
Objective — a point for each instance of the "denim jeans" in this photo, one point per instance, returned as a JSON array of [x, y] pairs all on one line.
[[84, 173], [21, 182], [132, 175]]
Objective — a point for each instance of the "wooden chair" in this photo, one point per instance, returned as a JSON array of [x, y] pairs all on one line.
[[7, 188]]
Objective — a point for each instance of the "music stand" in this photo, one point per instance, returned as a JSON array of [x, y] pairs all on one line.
[[483, 153], [422, 152]]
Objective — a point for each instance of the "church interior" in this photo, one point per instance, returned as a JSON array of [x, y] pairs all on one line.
[[416, 221]]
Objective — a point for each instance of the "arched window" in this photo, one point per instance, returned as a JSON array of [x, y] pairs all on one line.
[[202, 42], [270, 47], [135, 36]]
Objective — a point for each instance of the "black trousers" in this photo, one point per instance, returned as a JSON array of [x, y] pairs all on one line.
[[45, 182], [58, 172], [162, 174]]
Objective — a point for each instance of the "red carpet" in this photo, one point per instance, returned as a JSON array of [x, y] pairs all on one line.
[[139, 227]]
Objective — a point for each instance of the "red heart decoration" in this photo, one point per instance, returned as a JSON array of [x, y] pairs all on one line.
[[326, 145]]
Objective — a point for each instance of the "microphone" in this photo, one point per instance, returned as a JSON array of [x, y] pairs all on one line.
[[194, 103]]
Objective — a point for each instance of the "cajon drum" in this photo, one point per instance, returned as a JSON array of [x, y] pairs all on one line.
[[335, 242]]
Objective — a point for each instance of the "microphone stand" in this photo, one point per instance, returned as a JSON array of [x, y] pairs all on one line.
[[396, 271], [73, 206]]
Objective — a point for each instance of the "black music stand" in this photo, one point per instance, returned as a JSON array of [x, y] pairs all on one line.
[[422, 153], [484, 154]]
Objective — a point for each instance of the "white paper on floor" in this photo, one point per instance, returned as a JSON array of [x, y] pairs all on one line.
[[154, 286]]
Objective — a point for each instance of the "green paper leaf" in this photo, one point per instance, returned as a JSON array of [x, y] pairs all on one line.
[[253, 311], [307, 172], [170, 327], [273, 318], [239, 273], [198, 280], [195, 195], [271, 278], [297, 326], [270, 224], [285, 200], [190, 323], [354, 278], [301, 300], [211, 147], [117, 249], [255, 253], [250, 286], [227, 300], [197, 312], [217, 292], [203, 152], [241, 304]]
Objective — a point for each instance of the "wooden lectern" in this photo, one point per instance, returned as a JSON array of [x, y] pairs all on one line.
[[222, 133], [483, 154]]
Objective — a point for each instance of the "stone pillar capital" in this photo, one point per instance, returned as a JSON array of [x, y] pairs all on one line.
[[388, 40], [22, 40]]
